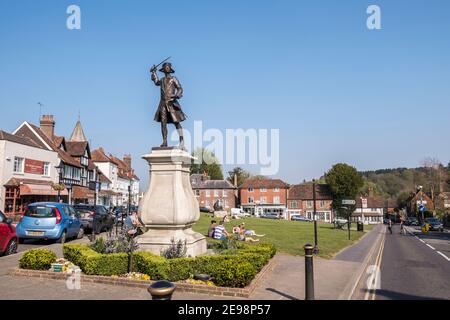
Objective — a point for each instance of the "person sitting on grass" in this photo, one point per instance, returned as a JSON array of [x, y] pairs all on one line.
[[220, 233], [244, 237], [250, 232], [211, 229]]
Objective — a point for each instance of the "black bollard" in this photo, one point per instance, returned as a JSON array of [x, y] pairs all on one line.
[[309, 272], [162, 290]]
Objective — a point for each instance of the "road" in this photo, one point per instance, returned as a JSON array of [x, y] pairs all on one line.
[[414, 266]]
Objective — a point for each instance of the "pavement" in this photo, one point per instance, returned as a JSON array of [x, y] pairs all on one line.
[[406, 268]]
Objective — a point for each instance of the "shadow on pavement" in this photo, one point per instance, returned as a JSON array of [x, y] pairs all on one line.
[[392, 295], [282, 294]]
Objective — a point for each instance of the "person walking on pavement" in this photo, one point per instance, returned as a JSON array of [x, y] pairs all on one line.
[[390, 226]]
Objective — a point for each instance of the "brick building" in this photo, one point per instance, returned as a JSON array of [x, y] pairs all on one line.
[[300, 201], [209, 192], [260, 196]]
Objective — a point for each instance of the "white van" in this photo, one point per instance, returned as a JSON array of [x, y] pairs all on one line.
[[238, 212]]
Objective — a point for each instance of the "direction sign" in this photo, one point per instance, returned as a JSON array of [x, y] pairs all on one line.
[[349, 202], [421, 208]]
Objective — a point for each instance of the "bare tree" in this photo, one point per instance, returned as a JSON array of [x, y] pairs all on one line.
[[434, 174]]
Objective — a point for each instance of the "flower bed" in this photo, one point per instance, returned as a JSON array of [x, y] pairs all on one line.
[[234, 269]]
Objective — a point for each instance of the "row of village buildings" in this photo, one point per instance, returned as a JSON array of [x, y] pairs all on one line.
[[35, 162], [260, 196]]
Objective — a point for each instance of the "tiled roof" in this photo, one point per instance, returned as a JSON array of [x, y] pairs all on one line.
[[304, 191], [20, 140], [372, 202], [99, 155], [210, 184], [77, 148], [264, 183], [14, 182], [78, 133], [65, 157]]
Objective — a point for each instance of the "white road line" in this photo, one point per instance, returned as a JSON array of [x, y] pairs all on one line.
[[447, 258], [421, 240], [430, 247]]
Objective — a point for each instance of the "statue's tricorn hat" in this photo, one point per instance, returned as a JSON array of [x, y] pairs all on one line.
[[167, 64]]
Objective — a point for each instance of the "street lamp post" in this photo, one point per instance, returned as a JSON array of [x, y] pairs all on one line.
[[97, 180], [316, 247], [59, 172]]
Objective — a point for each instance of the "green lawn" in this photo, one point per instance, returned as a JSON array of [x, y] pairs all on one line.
[[291, 236]]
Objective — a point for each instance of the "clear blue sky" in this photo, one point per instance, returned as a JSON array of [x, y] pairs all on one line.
[[337, 91]]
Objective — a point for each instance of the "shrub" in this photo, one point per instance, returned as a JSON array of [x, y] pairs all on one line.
[[175, 250], [37, 259], [94, 263], [229, 270], [155, 266]]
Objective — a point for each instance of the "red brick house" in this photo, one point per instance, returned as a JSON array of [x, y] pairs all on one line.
[[260, 196], [300, 201], [209, 192], [414, 201]]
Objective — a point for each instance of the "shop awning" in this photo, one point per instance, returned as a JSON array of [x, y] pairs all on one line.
[[39, 190]]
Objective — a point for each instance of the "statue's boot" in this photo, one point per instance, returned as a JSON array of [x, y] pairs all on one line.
[[181, 145]]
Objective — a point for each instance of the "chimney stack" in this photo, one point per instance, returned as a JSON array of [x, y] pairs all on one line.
[[127, 159], [47, 126]]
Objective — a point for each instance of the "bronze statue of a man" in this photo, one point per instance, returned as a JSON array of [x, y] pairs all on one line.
[[169, 110]]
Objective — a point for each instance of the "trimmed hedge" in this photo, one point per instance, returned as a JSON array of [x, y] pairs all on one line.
[[235, 269], [93, 263], [37, 259]]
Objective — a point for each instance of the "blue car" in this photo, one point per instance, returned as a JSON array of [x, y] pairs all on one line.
[[49, 221]]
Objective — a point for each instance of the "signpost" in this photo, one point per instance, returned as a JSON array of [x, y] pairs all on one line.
[[349, 203]]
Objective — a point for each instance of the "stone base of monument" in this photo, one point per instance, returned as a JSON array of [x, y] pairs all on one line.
[[157, 240], [169, 207]]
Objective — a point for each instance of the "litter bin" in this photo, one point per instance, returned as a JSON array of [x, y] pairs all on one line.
[[360, 226]]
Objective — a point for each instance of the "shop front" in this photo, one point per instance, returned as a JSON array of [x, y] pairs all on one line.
[[19, 194]]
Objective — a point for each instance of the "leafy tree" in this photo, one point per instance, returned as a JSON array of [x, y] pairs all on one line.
[[210, 164], [345, 183], [402, 200], [241, 174]]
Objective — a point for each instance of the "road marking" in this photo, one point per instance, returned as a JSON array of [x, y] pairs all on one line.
[[430, 246], [378, 264], [447, 258]]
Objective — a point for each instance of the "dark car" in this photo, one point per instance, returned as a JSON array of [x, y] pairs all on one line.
[[298, 217], [98, 215], [435, 224], [270, 216], [412, 221], [206, 210]]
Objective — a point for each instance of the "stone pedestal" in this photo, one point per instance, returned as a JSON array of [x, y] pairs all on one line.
[[169, 207]]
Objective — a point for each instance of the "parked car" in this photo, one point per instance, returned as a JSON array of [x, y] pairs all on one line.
[[435, 224], [270, 216], [49, 221], [412, 221], [8, 236], [206, 210], [89, 214], [238, 212], [298, 217]]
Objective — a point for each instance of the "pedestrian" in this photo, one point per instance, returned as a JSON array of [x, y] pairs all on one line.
[[390, 226], [220, 233], [211, 229]]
